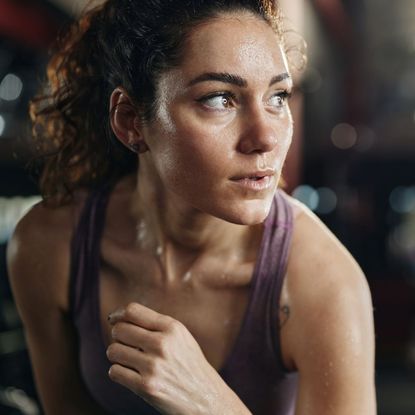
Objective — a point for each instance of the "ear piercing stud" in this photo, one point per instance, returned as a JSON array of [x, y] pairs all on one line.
[[134, 147]]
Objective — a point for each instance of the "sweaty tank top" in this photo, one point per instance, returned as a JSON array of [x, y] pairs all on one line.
[[254, 368]]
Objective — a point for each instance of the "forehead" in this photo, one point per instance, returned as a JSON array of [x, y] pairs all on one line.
[[239, 43]]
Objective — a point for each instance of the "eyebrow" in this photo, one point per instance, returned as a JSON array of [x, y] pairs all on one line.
[[228, 78]]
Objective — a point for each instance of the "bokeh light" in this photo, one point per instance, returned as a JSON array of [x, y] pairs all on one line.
[[402, 199], [344, 136], [307, 195], [327, 201], [11, 87], [2, 125], [366, 138], [11, 210]]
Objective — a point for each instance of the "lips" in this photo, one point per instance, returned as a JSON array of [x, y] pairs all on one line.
[[255, 181], [255, 175]]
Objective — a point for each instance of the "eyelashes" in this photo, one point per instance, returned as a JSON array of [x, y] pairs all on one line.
[[224, 100], [217, 99], [284, 95]]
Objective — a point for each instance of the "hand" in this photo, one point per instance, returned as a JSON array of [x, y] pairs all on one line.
[[156, 357]]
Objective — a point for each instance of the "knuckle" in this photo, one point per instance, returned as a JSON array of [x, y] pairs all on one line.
[[111, 352], [131, 310], [150, 386], [118, 328], [115, 330], [162, 344], [173, 326], [154, 368], [159, 342]]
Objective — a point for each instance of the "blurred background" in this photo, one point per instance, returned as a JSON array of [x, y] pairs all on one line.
[[352, 161]]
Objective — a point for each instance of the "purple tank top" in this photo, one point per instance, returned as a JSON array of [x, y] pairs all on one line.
[[254, 369]]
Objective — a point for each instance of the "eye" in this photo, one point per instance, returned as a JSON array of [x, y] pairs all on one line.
[[217, 101], [279, 99]]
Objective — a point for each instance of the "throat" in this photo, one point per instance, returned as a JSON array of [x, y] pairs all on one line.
[[212, 268]]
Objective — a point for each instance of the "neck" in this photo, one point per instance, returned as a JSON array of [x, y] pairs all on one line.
[[180, 234]]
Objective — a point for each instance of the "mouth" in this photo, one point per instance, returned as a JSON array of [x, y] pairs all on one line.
[[254, 176], [256, 181]]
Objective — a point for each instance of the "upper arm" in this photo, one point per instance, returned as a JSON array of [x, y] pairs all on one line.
[[38, 263], [329, 337]]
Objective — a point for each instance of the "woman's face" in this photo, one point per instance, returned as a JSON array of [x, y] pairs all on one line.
[[223, 125]]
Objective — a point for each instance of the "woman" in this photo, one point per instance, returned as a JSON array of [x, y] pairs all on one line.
[[193, 280]]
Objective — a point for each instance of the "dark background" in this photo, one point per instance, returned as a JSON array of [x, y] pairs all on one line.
[[352, 162]]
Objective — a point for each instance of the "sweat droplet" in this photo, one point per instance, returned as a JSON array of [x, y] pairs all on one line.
[[141, 231], [261, 163], [159, 250]]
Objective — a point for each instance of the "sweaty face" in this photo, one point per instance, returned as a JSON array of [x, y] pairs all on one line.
[[223, 126]]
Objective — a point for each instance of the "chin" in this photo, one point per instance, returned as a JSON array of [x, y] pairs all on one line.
[[246, 212]]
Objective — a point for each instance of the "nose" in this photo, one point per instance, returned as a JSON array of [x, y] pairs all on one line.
[[259, 133]]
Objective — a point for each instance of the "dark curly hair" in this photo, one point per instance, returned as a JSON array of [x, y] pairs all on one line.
[[125, 43]]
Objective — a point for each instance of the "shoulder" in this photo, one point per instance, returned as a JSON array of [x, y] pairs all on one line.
[[326, 291], [38, 263], [38, 251], [318, 258]]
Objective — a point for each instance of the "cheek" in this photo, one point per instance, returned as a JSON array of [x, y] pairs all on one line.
[[286, 130], [191, 156]]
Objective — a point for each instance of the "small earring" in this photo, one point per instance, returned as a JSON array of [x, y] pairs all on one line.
[[134, 147]]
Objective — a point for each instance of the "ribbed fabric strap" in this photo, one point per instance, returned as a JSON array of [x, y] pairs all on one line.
[[85, 248]]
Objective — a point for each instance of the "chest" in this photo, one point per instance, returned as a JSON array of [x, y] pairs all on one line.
[[211, 304]]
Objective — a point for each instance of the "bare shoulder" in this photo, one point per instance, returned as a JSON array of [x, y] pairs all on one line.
[[324, 286], [318, 259], [38, 252], [38, 263]]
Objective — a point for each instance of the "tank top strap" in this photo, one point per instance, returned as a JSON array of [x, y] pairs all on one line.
[[270, 272], [276, 240], [85, 248], [273, 255], [275, 266]]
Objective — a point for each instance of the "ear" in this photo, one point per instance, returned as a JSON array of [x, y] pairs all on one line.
[[125, 121]]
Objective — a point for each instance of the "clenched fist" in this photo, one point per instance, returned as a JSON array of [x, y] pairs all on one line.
[[156, 357]]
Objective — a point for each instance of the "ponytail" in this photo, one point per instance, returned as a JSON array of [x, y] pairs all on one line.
[[73, 140]]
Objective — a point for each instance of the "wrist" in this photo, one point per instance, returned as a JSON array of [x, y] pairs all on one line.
[[226, 402]]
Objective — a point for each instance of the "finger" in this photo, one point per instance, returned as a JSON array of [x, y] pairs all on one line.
[[141, 316], [127, 377], [134, 336], [127, 356], [147, 387]]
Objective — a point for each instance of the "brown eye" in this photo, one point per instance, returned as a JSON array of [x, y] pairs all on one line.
[[220, 101], [279, 100]]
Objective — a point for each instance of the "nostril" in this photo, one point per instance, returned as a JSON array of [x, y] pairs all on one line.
[[257, 144], [259, 135]]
